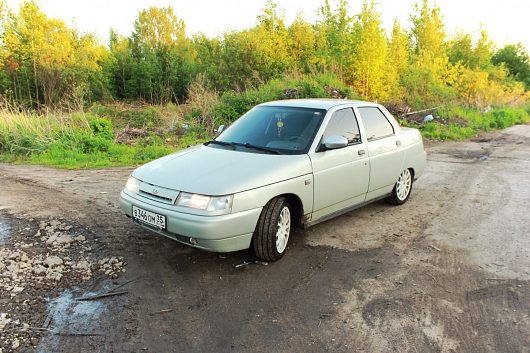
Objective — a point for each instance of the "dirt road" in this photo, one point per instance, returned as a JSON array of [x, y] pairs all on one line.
[[447, 272]]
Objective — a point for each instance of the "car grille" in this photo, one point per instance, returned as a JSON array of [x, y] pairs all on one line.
[[156, 197], [158, 193]]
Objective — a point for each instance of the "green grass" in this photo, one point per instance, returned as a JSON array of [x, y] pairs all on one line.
[[462, 123], [117, 155], [79, 141]]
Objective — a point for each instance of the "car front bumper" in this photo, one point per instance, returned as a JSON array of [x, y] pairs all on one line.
[[225, 233]]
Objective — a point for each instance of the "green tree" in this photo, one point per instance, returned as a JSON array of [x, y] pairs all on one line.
[[429, 77], [208, 54], [4, 79], [272, 41], [428, 31], [333, 39], [120, 67], [483, 51], [254, 56], [270, 19], [398, 60], [48, 63], [159, 28], [162, 58], [462, 50], [302, 43], [369, 64], [515, 58]]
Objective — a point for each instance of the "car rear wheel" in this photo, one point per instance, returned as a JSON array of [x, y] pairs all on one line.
[[273, 230], [402, 188]]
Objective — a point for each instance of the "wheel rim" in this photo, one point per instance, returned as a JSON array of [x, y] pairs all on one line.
[[403, 185], [284, 228]]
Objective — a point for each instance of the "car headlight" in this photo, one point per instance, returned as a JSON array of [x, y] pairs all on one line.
[[203, 202], [133, 185]]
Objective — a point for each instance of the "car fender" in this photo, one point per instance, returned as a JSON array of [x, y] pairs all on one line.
[[301, 186]]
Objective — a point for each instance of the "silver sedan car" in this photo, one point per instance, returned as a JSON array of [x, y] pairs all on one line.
[[283, 164]]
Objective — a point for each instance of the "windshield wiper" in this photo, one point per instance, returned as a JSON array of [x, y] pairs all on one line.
[[259, 148], [246, 144], [222, 143]]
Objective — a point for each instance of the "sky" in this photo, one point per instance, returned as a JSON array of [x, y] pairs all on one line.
[[505, 21]]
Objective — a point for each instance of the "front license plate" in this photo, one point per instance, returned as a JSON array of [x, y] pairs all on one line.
[[153, 219]]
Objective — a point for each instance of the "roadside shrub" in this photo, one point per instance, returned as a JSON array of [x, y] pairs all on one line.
[[504, 118], [145, 118], [150, 140], [91, 144], [108, 111], [202, 102], [25, 133], [232, 104], [101, 127], [23, 141]]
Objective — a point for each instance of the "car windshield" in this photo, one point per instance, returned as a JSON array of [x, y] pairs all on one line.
[[285, 130]]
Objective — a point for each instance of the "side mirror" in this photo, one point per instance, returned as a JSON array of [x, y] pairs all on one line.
[[334, 142], [220, 129]]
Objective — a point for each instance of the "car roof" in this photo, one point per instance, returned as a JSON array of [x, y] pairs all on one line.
[[315, 103]]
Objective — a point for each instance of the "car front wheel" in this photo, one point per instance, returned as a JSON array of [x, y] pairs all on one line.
[[402, 188], [273, 229]]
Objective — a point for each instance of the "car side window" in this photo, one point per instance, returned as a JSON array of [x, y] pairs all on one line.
[[376, 125], [344, 123]]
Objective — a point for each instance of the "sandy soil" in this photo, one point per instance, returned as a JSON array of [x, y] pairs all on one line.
[[448, 271]]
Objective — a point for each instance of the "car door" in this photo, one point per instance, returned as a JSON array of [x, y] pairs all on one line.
[[384, 150], [340, 175]]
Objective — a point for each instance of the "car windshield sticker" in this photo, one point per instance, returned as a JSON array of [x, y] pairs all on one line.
[[279, 124]]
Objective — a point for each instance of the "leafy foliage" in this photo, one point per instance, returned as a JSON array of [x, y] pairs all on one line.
[[516, 60], [44, 64], [167, 89], [232, 104]]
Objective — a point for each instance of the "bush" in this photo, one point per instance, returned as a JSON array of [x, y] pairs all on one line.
[[146, 118], [22, 141], [202, 102], [91, 144], [101, 127], [232, 105]]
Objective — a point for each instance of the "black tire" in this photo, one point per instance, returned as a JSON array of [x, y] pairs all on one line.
[[398, 197], [264, 241]]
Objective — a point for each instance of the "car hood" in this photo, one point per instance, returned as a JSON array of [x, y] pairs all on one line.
[[218, 171]]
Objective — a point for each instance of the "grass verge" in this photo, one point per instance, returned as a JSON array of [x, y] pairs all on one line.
[[459, 123], [79, 141]]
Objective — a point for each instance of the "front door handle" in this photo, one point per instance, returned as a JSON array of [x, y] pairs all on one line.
[[398, 143], [361, 152]]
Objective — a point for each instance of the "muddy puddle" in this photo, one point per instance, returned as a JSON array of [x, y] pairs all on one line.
[[68, 316]]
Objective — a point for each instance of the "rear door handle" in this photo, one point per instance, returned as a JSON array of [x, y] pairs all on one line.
[[361, 152], [398, 143]]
